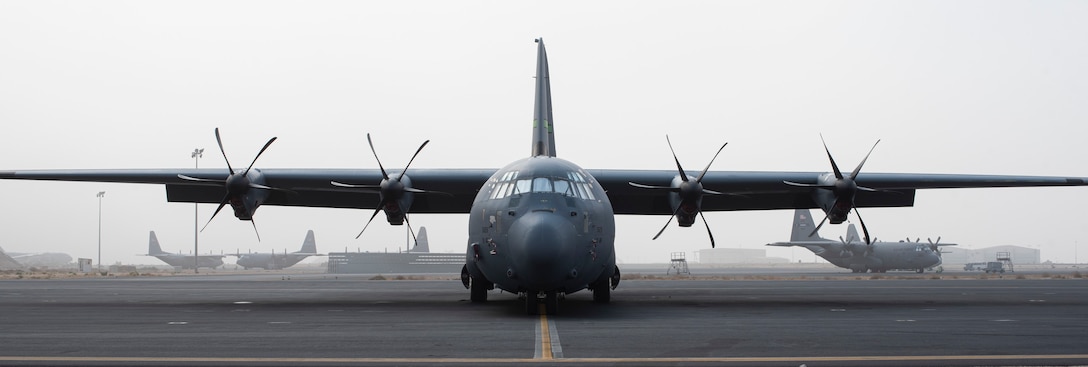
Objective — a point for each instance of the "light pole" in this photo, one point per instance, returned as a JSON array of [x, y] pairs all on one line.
[[100, 195], [197, 153]]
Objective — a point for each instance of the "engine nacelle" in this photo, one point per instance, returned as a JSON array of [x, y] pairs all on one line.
[[248, 198], [398, 196], [688, 209]]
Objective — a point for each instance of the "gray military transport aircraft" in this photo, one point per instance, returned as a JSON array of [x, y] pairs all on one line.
[[181, 260], [859, 257], [273, 261], [541, 226]]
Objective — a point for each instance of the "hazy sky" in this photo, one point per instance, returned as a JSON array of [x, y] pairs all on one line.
[[991, 87]]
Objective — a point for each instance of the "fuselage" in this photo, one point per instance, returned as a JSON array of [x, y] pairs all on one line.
[[269, 261], [541, 224], [884, 256], [186, 261]]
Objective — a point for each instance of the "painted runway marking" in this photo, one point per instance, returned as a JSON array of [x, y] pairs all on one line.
[[288, 361], [543, 349], [547, 339]]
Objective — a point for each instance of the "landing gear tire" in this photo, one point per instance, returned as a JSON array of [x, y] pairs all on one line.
[[478, 292], [551, 303], [532, 304], [602, 291]]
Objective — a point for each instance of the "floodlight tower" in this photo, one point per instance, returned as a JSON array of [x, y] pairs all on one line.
[[197, 153], [100, 195]]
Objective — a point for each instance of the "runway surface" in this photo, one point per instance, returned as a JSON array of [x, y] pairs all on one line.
[[323, 319]]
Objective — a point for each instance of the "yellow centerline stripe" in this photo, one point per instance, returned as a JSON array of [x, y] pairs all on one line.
[[531, 360], [545, 334]]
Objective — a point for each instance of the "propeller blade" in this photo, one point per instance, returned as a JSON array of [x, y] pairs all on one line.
[[414, 239], [265, 187], [384, 175], [857, 170], [700, 178], [259, 155], [418, 191], [817, 229], [195, 179], [641, 186], [798, 184], [863, 229], [683, 176], [711, 192], [707, 229], [376, 211], [413, 158], [667, 223], [223, 203], [354, 186], [838, 174], [251, 221], [221, 150]]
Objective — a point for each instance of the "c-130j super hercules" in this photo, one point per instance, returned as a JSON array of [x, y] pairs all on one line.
[[542, 226]]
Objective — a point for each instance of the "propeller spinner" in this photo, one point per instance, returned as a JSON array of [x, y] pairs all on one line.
[[687, 194]]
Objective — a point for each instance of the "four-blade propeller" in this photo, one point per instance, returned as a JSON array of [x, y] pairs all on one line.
[[844, 189], [690, 192]]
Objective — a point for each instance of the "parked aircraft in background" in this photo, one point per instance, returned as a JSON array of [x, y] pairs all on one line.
[[851, 253], [542, 226], [272, 261], [42, 259], [181, 260]]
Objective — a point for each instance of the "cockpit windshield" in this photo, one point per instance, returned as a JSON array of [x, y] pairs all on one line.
[[574, 184]]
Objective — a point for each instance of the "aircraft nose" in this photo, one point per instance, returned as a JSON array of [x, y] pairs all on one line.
[[538, 243]]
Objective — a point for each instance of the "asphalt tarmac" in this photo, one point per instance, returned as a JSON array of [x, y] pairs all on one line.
[[318, 319]]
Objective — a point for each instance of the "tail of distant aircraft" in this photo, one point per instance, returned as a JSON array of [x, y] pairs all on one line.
[[153, 245], [852, 233], [802, 227], [309, 245], [543, 134], [421, 241]]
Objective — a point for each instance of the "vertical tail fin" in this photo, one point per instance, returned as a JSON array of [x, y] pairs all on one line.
[[153, 245], [852, 234], [421, 241], [309, 245], [802, 226], [543, 134]]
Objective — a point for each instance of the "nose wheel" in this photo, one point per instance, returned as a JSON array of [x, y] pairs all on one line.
[[549, 301]]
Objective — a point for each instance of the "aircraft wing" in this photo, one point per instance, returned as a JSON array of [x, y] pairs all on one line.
[[765, 190], [802, 243], [745, 190], [312, 187]]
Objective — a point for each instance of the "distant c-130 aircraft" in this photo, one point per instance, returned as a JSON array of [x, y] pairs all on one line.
[[859, 257]]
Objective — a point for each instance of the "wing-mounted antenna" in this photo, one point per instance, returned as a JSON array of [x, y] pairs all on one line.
[[543, 133]]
